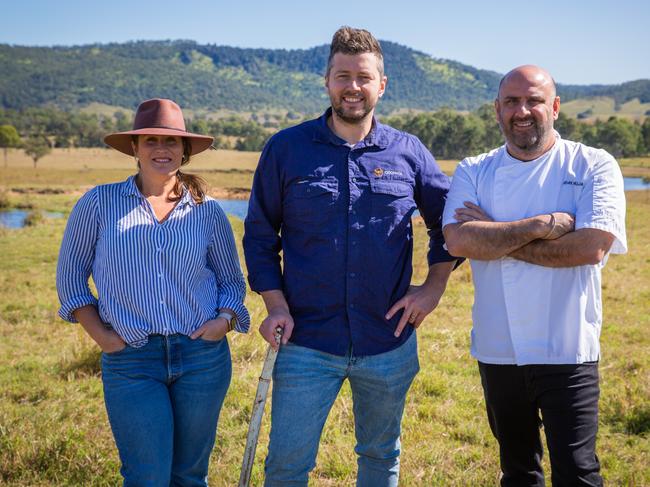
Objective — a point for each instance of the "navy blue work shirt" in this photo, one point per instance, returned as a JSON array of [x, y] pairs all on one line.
[[340, 216]]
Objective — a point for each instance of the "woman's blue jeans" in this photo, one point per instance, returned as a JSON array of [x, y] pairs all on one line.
[[305, 384], [163, 402]]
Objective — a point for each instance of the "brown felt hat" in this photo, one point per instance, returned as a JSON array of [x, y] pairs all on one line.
[[158, 117]]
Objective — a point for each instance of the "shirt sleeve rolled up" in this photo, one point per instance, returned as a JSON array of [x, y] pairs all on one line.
[[223, 259], [76, 257], [602, 202]]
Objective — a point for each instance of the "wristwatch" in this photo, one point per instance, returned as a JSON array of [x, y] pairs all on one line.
[[229, 317]]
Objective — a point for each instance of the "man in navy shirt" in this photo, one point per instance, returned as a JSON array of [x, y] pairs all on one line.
[[335, 196]]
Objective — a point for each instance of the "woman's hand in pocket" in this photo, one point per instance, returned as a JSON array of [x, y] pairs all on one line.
[[212, 330], [111, 342]]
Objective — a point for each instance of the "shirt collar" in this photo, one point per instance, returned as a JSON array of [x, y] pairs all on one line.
[[129, 188], [186, 198], [378, 135]]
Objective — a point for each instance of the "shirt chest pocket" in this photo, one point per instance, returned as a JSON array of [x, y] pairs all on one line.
[[391, 205], [391, 199], [309, 204]]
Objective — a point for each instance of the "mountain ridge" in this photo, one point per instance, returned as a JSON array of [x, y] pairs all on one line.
[[213, 77]]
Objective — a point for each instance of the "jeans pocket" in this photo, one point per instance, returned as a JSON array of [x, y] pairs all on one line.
[[117, 352], [209, 341]]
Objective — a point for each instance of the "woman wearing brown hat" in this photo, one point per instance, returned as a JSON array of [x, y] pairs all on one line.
[[169, 288]]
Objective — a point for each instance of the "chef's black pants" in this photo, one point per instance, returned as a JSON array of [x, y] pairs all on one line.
[[561, 398]]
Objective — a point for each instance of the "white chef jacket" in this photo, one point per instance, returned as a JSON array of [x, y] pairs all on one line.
[[525, 313]]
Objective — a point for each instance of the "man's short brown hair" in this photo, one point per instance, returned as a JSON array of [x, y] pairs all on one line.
[[348, 40]]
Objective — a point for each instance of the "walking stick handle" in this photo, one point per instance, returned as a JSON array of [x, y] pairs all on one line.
[[258, 411]]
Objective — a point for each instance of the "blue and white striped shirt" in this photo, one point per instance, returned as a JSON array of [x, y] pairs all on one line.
[[151, 277]]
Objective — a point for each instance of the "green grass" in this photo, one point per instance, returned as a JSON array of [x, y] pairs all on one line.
[[53, 426]]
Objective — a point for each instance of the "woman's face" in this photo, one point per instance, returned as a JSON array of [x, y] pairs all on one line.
[[159, 155]]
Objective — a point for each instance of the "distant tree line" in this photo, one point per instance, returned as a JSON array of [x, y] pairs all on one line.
[[448, 134], [452, 135], [61, 129]]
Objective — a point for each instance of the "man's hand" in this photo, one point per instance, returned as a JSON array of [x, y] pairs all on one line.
[[417, 303], [278, 317], [559, 222], [211, 330], [562, 223], [471, 213]]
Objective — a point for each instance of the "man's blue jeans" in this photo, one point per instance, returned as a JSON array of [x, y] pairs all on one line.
[[305, 385], [163, 402]]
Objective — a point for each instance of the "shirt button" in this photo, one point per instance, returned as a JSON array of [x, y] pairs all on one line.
[[354, 242], [352, 274], [354, 180], [160, 276], [352, 306], [162, 302]]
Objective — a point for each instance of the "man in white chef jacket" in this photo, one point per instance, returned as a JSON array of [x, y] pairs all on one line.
[[537, 217]]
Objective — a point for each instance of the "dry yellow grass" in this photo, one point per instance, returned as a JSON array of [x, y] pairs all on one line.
[[109, 159], [604, 107], [229, 173]]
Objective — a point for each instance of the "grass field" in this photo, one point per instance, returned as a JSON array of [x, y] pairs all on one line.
[[229, 173], [604, 107], [53, 426]]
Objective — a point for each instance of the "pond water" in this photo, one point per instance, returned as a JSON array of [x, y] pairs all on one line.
[[238, 208], [635, 184], [16, 218]]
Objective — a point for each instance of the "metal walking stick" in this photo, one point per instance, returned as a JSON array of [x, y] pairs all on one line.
[[258, 411]]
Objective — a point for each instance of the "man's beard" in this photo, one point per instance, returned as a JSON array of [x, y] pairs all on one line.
[[349, 116], [529, 141]]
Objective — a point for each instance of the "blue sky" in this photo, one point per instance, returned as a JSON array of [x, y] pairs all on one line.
[[579, 42]]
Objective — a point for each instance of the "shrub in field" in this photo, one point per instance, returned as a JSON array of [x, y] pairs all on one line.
[[34, 218], [8, 138], [4, 199], [37, 147]]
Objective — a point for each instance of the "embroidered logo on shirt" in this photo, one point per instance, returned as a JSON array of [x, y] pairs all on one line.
[[379, 172], [574, 183]]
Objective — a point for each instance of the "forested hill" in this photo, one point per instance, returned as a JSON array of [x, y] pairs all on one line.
[[219, 77]]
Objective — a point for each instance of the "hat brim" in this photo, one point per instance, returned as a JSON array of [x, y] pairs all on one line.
[[121, 141]]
